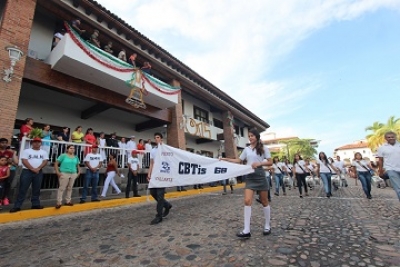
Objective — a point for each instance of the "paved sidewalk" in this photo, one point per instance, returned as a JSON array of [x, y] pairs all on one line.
[[345, 230]]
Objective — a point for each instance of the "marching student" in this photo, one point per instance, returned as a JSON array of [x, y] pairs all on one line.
[[289, 173], [362, 168], [339, 164], [158, 193], [279, 169], [256, 155], [299, 173], [324, 170]]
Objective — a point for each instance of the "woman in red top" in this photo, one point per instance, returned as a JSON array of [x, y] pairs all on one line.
[[112, 169], [140, 146], [26, 128], [90, 139]]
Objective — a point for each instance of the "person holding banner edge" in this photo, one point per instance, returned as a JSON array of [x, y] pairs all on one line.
[[158, 193], [256, 155]]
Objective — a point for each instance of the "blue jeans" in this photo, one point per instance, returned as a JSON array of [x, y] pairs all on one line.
[[91, 178], [394, 177], [279, 182], [26, 179], [327, 180], [365, 179]]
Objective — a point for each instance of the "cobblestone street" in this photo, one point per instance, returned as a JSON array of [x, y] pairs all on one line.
[[345, 230]]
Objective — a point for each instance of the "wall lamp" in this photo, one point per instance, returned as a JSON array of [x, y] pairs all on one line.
[[15, 55]]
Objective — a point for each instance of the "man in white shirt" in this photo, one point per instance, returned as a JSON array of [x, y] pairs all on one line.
[[339, 164], [33, 160], [389, 161], [158, 193], [131, 145], [148, 146], [93, 163], [133, 166]]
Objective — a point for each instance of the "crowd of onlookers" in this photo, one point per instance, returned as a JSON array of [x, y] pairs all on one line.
[[93, 39]]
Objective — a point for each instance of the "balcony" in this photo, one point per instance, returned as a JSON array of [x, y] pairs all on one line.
[[75, 57]]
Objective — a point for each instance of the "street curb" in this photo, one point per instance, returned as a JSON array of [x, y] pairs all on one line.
[[106, 203]]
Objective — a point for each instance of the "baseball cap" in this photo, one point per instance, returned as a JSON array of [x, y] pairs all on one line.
[[134, 152], [132, 136], [37, 139]]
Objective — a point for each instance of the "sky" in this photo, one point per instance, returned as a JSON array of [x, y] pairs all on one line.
[[321, 69]]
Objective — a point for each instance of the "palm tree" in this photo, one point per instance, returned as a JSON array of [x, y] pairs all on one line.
[[377, 137], [302, 146]]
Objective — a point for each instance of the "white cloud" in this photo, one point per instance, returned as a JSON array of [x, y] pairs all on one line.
[[234, 45]]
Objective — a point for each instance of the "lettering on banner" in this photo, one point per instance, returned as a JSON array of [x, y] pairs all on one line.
[[165, 179], [200, 129], [191, 168]]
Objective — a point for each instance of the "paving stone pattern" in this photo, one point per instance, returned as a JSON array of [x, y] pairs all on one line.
[[345, 230]]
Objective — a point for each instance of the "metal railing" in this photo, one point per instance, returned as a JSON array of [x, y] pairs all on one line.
[[55, 148]]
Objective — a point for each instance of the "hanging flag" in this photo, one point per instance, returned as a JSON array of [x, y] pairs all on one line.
[[176, 167]]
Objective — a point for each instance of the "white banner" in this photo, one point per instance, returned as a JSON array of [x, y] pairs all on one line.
[[176, 167]]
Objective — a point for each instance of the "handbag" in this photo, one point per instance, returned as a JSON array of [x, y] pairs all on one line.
[[233, 181], [371, 171]]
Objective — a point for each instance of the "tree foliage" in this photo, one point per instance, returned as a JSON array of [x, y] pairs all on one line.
[[377, 130], [302, 146]]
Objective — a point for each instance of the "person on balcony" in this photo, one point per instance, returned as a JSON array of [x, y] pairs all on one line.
[[67, 169], [108, 47], [90, 139], [148, 146], [122, 55], [63, 136], [94, 38], [140, 145], [112, 141], [46, 135], [76, 26], [146, 67], [26, 128], [132, 60], [33, 161], [57, 37], [102, 144]]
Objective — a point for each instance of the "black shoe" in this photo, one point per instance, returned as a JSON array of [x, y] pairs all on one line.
[[276, 194], [243, 235], [38, 207], [267, 232], [96, 200], [200, 187], [82, 201], [183, 189], [328, 195], [166, 211], [195, 187], [14, 210], [156, 220], [369, 197], [136, 195], [301, 196]]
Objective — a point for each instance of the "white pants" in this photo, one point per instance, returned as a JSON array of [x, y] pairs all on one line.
[[110, 179]]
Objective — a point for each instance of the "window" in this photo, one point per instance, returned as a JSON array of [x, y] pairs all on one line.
[[183, 106], [207, 153], [237, 130], [190, 149], [2, 9], [200, 114], [218, 123]]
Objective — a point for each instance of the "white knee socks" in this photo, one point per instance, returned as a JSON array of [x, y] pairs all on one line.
[[267, 214], [247, 217]]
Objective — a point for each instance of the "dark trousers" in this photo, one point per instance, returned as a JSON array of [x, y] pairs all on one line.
[[158, 195], [91, 178], [301, 181], [27, 179], [8, 183], [132, 184]]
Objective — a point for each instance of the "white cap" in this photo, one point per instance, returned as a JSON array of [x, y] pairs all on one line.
[[132, 136]]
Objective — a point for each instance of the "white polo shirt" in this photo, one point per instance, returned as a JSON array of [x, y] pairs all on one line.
[[251, 156], [300, 166], [339, 164], [323, 168], [34, 157], [278, 167], [360, 165], [390, 155]]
